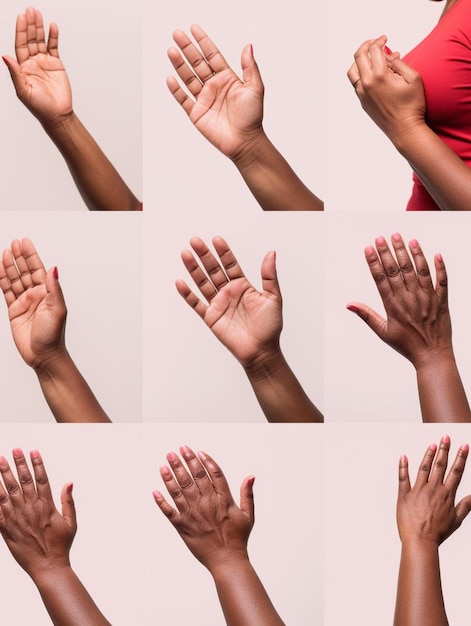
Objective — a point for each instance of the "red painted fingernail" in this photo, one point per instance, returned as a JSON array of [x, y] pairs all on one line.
[[387, 50], [55, 273], [352, 308], [439, 258], [251, 480], [70, 486]]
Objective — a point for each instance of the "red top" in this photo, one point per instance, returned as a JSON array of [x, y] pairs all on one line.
[[443, 59]]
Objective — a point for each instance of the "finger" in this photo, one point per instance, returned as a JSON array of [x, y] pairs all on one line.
[[213, 57], [68, 506], [11, 271], [378, 273], [441, 280], [406, 267], [405, 71], [5, 285], [390, 266], [246, 498], [33, 261], [194, 56], [190, 298], [463, 508], [374, 320], [186, 74], [404, 480], [40, 35], [250, 72], [455, 474], [269, 275], [6, 507], [31, 31], [167, 510], [11, 485], [199, 474], [21, 38], [228, 259], [362, 58], [183, 477], [180, 95], [53, 40], [201, 280], [210, 263], [14, 69], [216, 474], [174, 489], [43, 487], [378, 56], [353, 75], [54, 291], [24, 475], [441, 460], [421, 266], [426, 465]]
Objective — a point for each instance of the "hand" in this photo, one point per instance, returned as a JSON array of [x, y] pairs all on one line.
[[427, 512], [37, 535], [418, 322], [248, 322], [36, 306], [389, 90], [225, 109], [208, 520], [38, 74]]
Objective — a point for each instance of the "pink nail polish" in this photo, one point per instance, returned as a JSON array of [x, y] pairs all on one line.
[[445, 439], [387, 50], [17, 452], [414, 243], [34, 454], [171, 456], [439, 258], [465, 447], [396, 237]]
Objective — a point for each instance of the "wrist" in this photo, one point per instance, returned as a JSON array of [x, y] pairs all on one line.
[[254, 151], [49, 364], [407, 134], [61, 125], [47, 571], [226, 562], [267, 362], [434, 358]]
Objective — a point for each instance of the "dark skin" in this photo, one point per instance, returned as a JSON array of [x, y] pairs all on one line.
[[228, 111], [216, 531], [42, 85], [40, 538], [249, 323], [392, 94], [37, 314], [426, 516], [418, 324]]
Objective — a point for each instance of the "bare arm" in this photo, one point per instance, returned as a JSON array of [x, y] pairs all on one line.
[[40, 538], [42, 85], [418, 324], [216, 531], [249, 323], [229, 112], [37, 313]]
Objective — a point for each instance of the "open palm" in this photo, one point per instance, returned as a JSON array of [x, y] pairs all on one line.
[[248, 322], [36, 308], [38, 74], [225, 109]]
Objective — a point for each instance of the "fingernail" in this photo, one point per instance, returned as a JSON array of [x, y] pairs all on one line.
[[369, 250], [445, 439], [202, 455], [55, 273], [70, 486], [185, 450], [465, 447], [380, 241], [353, 309], [387, 50], [34, 454], [414, 243], [433, 447], [251, 480], [2, 460], [396, 237], [403, 459], [157, 495], [171, 456], [439, 258], [165, 470], [17, 453]]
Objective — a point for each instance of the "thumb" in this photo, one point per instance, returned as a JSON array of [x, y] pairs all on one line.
[[68, 506], [463, 508], [54, 291], [269, 275], [374, 320], [250, 71], [246, 498], [14, 69]]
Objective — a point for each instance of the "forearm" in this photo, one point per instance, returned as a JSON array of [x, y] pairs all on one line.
[[441, 392], [243, 598], [419, 599], [98, 182], [67, 393], [279, 392], [66, 599], [271, 180], [445, 176]]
